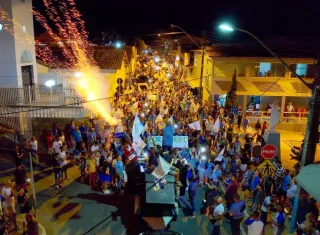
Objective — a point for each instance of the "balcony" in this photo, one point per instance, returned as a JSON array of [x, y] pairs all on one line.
[[39, 96]]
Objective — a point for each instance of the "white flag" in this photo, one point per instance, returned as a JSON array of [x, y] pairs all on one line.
[[220, 155], [145, 129], [195, 126], [162, 169], [138, 145], [137, 128], [216, 127]]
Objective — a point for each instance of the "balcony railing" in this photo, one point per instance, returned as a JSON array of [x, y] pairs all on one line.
[[39, 96], [296, 117]]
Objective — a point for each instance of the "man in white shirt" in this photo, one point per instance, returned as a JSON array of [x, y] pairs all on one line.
[[95, 147], [9, 203], [56, 145], [255, 225], [237, 144], [217, 215]]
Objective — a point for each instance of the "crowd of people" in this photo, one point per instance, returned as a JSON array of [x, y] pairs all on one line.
[[220, 159]]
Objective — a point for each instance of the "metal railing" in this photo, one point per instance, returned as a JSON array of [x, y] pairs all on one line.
[[38, 96], [298, 117]]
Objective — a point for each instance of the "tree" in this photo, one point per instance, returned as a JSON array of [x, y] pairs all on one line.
[[231, 99]]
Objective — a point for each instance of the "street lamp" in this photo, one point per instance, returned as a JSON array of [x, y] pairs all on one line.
[[202, 59], [50, 84], [118, 45]]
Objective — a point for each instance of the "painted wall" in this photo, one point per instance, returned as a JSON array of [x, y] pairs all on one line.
[[12, 47]]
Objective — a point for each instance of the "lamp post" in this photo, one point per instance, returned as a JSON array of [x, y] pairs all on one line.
[[309, 146], [202, 57]]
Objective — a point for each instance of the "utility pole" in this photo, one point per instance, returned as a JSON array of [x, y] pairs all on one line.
[[202, 65], [309, 146]]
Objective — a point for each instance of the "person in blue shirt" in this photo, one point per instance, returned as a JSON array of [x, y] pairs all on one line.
[[254, 184], [192, 189], [77, 137], [209, 169], [285, 185], [84, 133], [168, 132], [236, 213]]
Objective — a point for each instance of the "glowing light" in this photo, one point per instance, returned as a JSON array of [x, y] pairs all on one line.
[[150, 80], [203, 149], [145, 154], [78, 75], [68, 27], [204, 157], [164, 64], [118, 45], [168, 75], [146, 105], [159, 35], [1, 27], [177, 57], [176, 126], [157, 67], [226, 27], [143, 115], [50, 83], [157, 59]]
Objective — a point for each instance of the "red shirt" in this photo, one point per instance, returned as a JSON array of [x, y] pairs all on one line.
[[231, 190], [50, 139]]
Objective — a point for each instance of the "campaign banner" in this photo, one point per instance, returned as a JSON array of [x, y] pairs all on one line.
[[157, 140], [180, 142]]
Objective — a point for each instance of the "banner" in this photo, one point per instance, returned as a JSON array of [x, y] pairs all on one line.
[[180, 142], [120, 135], [157, 140]]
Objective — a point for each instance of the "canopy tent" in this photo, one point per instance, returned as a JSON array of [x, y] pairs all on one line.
[[307, 179]]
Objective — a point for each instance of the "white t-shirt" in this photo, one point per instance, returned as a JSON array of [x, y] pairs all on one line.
[[255, 228], [95, 148], [63, 158], [291, 192], [56, 146], [265, 203], [6, 192], [34, 145]]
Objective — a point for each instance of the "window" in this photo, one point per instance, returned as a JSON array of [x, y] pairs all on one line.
[[265, 69], [301, 69], [304, 70]]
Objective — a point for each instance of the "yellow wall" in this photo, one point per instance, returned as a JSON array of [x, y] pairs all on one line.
[[112, 78], [42, 69]]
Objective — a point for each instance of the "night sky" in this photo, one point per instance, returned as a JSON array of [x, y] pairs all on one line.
[[271, 18]]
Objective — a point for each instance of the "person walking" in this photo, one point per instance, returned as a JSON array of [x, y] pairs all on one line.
[[236, 213], [278, 221]]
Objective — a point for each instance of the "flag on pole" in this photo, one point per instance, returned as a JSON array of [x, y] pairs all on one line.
[[216, 127], [195, 126], [162, 169], [145, 129], [137, 128]]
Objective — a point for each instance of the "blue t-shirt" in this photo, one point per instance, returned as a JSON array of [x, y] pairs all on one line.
[[280, 218], [83, 130], [185, 154], [119, 167], [168, 135], [210, 166], [286, 180], [76, 135], [255, 182], [237, 209], [202, 139]]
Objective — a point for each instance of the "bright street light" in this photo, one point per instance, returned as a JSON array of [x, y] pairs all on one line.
[[118, 45], [50, 83], [78, 75], [226, 27], [157, 59]]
